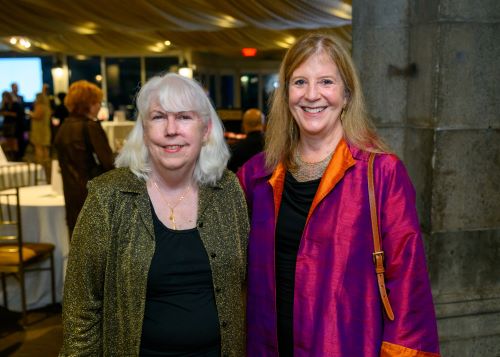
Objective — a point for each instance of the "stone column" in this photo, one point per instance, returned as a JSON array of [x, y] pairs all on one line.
[[431, 77]]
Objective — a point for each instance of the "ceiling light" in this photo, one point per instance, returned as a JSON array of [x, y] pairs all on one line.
[[227, 21], [282, 44], [155, 48], [185, 70], [87, 28], [25, 43], [342, 10]]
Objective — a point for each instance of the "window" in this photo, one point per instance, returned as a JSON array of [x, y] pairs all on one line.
[[86, 68], [249, 90], [158, 65], [123, 79], [227, 91], [271, 82]]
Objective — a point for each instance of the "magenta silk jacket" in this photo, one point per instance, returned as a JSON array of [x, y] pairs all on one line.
[[337, 307]]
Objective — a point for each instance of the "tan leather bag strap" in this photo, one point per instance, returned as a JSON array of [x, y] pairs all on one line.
[[378, 254]]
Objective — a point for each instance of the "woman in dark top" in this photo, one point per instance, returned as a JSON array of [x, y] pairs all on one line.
[[82, 146], [158, 258]]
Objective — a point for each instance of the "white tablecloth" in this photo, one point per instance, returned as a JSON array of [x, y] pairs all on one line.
[[43, 220], [117, 132]]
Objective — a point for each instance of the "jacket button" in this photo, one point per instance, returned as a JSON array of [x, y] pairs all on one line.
[[224, 324], [213, 255], [218, 290], [200, 224]]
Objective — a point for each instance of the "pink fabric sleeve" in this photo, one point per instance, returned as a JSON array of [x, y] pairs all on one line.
[[414, 328]]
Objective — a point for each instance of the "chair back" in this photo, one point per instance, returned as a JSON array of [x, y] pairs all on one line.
[[21, 174], [36, 174], [10, 227]]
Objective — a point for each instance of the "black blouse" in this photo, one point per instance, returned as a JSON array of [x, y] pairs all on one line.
[[180, 317], [295, 204]]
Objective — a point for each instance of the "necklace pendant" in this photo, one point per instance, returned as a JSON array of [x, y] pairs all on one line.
[[172, 218]]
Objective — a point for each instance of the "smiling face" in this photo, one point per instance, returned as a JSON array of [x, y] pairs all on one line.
[[316, 97], [174, 140]]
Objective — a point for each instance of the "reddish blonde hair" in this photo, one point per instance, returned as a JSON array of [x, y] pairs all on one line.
[[81, 96], [282, 133]]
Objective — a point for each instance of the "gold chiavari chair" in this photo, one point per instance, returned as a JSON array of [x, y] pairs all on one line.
[[17, 257]]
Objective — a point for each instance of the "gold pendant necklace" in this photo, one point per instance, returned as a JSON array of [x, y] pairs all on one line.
[[171, 217]]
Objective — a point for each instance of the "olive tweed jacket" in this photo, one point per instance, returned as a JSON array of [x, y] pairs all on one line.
[[111, 251]]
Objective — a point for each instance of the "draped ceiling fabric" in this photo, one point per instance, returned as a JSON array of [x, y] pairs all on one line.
[[120, 27]]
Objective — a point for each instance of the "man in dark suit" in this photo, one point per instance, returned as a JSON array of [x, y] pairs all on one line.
[[253, 127], [20, 126], [15, 94]]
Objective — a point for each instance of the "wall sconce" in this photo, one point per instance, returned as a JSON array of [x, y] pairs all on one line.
[[57, 68], [185, 70], [409, 71]]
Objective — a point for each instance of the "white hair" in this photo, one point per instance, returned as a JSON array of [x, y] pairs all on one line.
[[176, 93]]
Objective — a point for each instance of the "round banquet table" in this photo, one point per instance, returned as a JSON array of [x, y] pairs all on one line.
[[43, 220]]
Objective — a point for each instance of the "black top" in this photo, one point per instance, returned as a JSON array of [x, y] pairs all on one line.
[[180, 317], [244, 149], [295, 204]]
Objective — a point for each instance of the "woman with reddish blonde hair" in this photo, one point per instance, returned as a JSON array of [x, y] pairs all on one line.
[[313, 289]]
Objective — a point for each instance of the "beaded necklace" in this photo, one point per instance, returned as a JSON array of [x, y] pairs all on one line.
[[308, 171]]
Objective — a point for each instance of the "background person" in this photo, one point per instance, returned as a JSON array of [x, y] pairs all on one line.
[[13, 120], [82, 146], [60, 111], [158, 257], [312, 287], [253, 127], [15, 94], [40, 128], [21, 124]]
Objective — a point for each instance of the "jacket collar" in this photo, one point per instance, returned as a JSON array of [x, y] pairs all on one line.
[[343, 158], [358, 153]]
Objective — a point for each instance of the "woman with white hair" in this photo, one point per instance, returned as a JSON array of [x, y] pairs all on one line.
[[158, 255]]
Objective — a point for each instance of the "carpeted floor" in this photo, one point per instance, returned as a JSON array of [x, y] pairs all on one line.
[[42, 336]]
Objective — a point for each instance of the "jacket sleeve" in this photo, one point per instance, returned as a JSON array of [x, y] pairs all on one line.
[[101, 146], [413, 331], [244, 175], [243, 225], [83, 288]]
